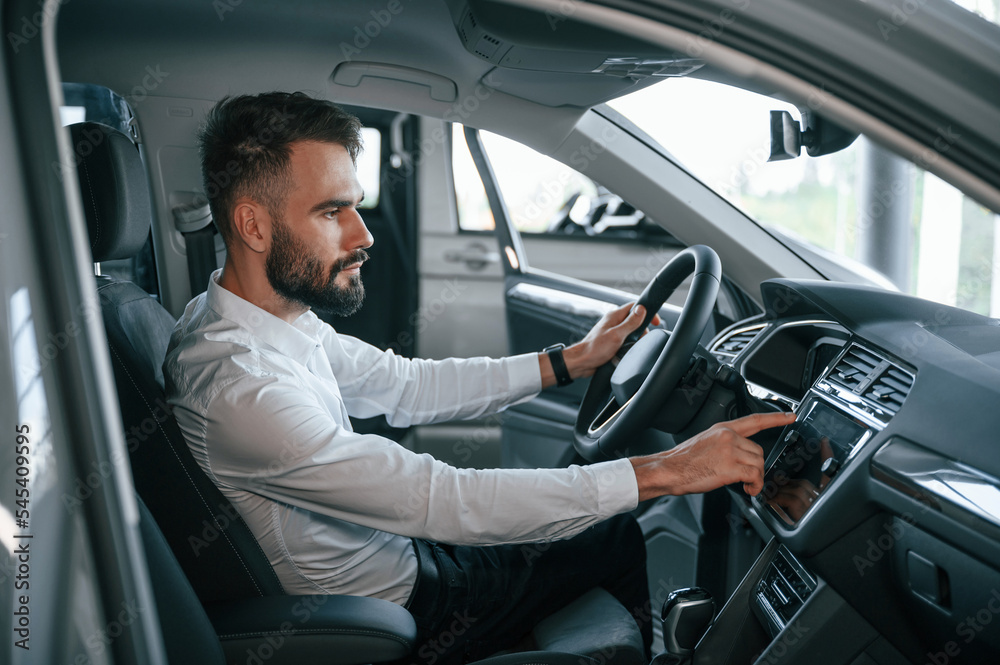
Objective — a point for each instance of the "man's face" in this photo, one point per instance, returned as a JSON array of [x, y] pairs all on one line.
[[317, 247]]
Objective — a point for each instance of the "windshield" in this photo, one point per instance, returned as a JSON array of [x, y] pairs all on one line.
[[861, 214]]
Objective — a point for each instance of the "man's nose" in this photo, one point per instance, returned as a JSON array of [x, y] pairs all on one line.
[[360, 237]]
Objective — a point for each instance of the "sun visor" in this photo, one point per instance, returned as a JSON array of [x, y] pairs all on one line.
[[568, 71]]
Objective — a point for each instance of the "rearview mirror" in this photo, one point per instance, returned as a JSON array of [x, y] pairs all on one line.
[[820, 136]]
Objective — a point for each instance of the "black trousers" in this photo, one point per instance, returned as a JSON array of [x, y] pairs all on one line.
[[470, 602]]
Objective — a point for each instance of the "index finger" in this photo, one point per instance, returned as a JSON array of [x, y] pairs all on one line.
[[756, 422]]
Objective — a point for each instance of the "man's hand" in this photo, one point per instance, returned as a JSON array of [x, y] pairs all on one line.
[[600, 344], [720, 455]]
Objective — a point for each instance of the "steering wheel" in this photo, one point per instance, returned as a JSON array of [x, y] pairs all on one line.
[[623, 401]]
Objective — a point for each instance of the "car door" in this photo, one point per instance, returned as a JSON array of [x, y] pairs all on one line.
[[72, 573]]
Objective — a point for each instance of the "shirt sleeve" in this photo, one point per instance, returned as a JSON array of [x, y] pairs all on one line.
[[281, 443], [420, 391]]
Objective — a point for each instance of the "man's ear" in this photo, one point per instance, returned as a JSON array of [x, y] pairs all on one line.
[[252, 225]]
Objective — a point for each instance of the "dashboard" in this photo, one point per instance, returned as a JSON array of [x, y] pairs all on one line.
[[887, 486]]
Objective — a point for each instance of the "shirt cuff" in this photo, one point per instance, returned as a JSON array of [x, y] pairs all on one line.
[[525, 375], [617, 487]]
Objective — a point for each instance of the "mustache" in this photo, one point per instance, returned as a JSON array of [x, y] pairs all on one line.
[[357, 256]]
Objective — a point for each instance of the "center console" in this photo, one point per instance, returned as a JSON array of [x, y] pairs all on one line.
[[782, 590], [781, 611], [782, 615], [847, 406], [812, 451]]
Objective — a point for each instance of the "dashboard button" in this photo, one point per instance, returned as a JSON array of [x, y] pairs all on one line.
[[830, 467]]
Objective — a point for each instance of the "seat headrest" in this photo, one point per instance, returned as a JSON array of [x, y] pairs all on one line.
[[114, 190]]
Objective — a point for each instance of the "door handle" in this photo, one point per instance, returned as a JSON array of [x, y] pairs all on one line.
[[475, 256]]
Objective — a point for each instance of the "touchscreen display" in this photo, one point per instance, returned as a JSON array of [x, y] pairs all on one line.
[[801, 471]]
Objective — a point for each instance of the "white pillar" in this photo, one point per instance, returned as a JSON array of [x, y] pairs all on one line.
[[940, 241]]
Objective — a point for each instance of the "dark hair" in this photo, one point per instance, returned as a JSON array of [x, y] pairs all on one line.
[[246, 147]]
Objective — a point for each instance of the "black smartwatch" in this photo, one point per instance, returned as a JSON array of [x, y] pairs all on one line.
[[555, 354]]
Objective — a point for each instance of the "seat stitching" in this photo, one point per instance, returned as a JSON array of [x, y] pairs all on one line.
[[93, 203], [235, 550], [327, 631], [191, 480]]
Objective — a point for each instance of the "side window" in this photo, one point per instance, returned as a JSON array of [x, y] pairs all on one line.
[[85, 102], [569, 224], [543, 196]]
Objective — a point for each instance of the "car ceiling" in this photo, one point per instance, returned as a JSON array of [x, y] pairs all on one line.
[[541, 78], [206, 50]]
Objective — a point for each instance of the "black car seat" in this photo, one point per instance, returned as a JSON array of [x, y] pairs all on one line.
[[220, 558], [222, 561], [190, 639]]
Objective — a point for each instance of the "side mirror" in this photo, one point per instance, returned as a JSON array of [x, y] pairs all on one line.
[[820, 136]]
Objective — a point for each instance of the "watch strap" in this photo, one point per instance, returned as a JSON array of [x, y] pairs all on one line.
[[555, 354]]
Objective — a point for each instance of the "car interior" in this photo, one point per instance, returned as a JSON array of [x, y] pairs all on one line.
[[876, 538]]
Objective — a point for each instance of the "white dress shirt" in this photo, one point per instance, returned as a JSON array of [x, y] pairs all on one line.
[[264, 407]]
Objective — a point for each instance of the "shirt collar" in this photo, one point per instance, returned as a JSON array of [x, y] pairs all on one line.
[[296, 340]]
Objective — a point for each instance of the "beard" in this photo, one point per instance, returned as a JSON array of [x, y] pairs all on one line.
[[300, 278]]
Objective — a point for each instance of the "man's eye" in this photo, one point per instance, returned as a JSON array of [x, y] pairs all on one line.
[[332, 213]]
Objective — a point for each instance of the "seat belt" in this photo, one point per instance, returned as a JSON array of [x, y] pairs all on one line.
[[194, 220]]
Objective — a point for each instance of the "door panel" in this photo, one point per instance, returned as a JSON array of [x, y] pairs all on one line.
[[543, 309], [460, 312], [625, 265], [461, 298]]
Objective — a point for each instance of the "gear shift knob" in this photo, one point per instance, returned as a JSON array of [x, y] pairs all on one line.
[[686, 615]]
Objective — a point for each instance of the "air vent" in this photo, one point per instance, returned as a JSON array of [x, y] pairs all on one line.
[[855, 369], [890, 388], [730, 346], [864, 373]]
